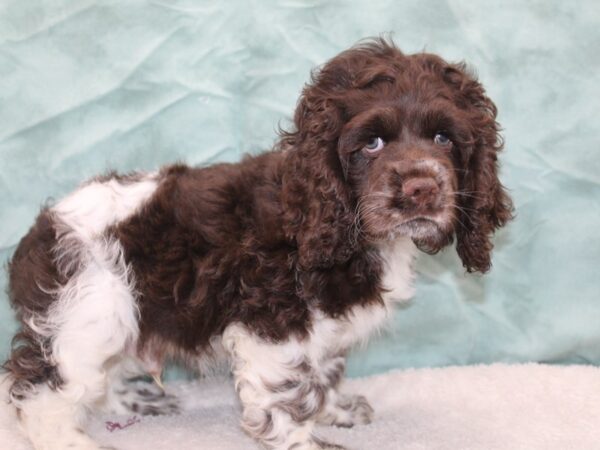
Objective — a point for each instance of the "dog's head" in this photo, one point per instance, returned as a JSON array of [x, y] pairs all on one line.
[[386, 145]]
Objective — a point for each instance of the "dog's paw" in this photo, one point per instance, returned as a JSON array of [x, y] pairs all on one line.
[[347, 411], [316, 444], [147, 399], [322, 445], [360, 410]]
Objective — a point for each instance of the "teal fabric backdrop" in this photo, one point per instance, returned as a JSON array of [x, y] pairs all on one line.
[[90, 85]]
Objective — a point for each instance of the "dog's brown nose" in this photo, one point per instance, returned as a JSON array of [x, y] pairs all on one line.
[[421, 191]]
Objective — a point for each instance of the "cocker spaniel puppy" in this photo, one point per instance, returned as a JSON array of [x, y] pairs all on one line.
[[279, 263]]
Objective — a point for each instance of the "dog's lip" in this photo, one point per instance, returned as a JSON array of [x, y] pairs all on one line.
[[418, 225], [423, 224], [421, 220]]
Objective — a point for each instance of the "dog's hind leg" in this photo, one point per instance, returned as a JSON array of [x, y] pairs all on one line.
[[90, 324]]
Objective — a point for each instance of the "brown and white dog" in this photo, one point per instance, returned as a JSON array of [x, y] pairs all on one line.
[[281, 262]]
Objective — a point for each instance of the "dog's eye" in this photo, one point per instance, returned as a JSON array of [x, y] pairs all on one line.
[[442, 139], [374, 145]]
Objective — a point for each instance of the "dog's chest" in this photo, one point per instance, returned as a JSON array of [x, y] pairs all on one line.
[[362, 321]]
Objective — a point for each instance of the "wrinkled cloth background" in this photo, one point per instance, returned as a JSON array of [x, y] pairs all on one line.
[[88, 86]]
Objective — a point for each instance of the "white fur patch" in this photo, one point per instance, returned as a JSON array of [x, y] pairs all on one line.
[[52, 421], [92, 208], [398, 275]]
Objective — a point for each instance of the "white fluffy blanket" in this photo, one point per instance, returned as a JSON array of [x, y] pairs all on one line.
[[506, 407]]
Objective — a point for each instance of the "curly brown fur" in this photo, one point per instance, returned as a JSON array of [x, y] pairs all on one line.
[[33, 278]]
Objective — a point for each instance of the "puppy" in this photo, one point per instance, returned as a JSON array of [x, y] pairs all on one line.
[[279, 263]]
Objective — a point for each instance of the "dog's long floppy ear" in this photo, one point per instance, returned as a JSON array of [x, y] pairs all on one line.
[[317, 204], [484, 203], [319, 210]]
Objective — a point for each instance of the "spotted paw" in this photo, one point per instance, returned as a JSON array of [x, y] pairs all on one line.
[[347, 411], [147, 399], [322, 445]]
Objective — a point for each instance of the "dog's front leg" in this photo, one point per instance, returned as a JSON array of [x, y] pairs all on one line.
[[339, 409], [281, 395]]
